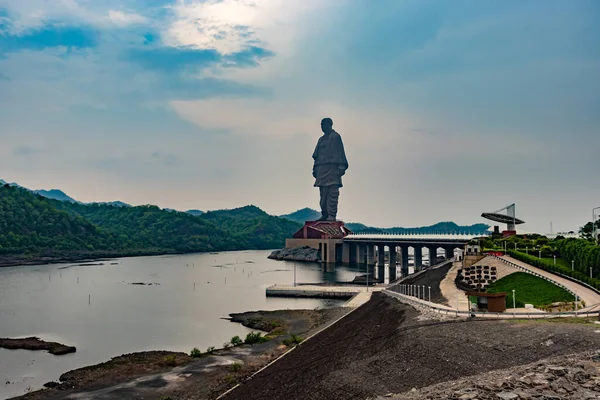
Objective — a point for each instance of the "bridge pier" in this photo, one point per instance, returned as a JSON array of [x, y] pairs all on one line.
[[392, 271], [418, 258], [404, 267], [432, 255], [449, 252], [371, 255], [381, 255]]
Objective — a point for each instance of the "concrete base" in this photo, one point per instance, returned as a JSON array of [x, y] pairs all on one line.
[[327, 247]]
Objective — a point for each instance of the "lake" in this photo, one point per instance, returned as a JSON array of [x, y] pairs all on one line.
[[96, 309]]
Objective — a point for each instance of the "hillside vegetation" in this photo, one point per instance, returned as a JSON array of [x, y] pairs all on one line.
[[34, 227]]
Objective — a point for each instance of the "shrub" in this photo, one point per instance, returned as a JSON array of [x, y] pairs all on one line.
[[255, 337], [170, 360], [236, 341], [292, 341], [210, 350], [195, 352], [235, 367]]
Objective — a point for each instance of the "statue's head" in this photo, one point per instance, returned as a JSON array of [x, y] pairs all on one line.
[[326, 125]]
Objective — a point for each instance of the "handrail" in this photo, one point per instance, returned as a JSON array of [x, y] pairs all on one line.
[[504, 315]]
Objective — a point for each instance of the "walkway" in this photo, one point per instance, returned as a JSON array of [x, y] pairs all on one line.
[[591, 298], [357, 295], [451, 292]]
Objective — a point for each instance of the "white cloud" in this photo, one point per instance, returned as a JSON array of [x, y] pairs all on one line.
[[216, 23], [123, 18]]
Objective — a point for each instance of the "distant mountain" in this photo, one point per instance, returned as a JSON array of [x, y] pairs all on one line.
[[305, 214], [55, 194], [195, 213], [112, 203], [439, 228]]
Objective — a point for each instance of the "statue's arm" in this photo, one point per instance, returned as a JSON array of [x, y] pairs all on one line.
[[343, 165]]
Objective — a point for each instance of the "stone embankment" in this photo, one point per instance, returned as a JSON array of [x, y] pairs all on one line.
[[571, 377], [34, 343], [304, 253]]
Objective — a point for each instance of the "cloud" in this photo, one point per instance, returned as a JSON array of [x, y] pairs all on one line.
[[124, 18]]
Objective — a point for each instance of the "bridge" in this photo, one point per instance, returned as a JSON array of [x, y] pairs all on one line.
[[370, 248], [337, 244]]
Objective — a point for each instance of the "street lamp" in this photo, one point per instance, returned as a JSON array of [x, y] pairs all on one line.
[[540, 256], [527, 250], [514, 302], [555, 259], [594, 230], [591, 272], [294, 273], [572, 265], [430, 294]]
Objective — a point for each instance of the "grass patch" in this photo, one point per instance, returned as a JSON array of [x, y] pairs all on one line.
[[292, 341], [529, 289], [235, 367], [170, 360]]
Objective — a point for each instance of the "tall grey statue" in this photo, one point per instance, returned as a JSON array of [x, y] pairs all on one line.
[[329, 167]]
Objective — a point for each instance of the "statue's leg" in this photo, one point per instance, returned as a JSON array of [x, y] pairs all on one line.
[[323, 191], [332, 202]]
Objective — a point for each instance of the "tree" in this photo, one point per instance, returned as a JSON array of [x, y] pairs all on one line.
[[586, 231]]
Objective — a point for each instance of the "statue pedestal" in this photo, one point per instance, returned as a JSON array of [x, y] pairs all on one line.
[[326, 236]]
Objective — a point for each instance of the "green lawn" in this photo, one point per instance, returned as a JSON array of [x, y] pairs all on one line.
[[529, 289]]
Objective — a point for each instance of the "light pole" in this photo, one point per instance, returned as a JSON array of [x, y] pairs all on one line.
[[294, 273], [367, 269], [555, 259], [594, 234], [527, 250], [572, 265], [540, 253], [514, 301], [430, 294], [591, 272]]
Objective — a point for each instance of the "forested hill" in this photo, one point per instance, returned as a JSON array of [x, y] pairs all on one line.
[[261, 230], [29, 223], [32, 226], [149, 227]]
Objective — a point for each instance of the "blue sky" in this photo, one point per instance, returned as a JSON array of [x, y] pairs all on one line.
[[447, 108]]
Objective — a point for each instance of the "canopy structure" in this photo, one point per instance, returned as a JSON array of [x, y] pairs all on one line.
[[509, 218]]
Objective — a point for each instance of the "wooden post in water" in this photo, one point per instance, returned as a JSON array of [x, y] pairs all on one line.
[[89, 299], [194, 285]]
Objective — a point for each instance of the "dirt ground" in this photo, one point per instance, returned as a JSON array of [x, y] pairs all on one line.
[[164, 374], [572, 377], [382, 348]]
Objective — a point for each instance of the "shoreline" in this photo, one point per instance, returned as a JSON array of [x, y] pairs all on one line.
[[214, 372], [7, 261]]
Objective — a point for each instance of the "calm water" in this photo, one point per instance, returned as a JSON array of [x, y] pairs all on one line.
[[96, 309]]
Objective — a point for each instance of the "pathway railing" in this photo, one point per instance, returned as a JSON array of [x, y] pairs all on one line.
[[418, 303]]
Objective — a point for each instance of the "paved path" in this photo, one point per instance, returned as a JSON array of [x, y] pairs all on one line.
[[451, 292], [591, 298]]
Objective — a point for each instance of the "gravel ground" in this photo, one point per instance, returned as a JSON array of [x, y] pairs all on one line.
[[431, 277], [383, 348], [572, 377]]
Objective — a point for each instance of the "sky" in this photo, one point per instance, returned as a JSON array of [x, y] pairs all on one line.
[[447, 109]]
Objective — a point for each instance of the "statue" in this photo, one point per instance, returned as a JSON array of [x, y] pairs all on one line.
[[329, 167]]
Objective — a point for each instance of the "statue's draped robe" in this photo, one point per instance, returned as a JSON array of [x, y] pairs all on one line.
[[330, 160]]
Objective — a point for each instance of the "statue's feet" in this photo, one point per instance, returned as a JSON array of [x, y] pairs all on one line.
[[323, 218], [330, 219]]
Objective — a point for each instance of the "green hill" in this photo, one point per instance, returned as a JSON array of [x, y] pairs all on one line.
[[149, 227], [305, 214], [34, 228], [251, 224], [29, 224]]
